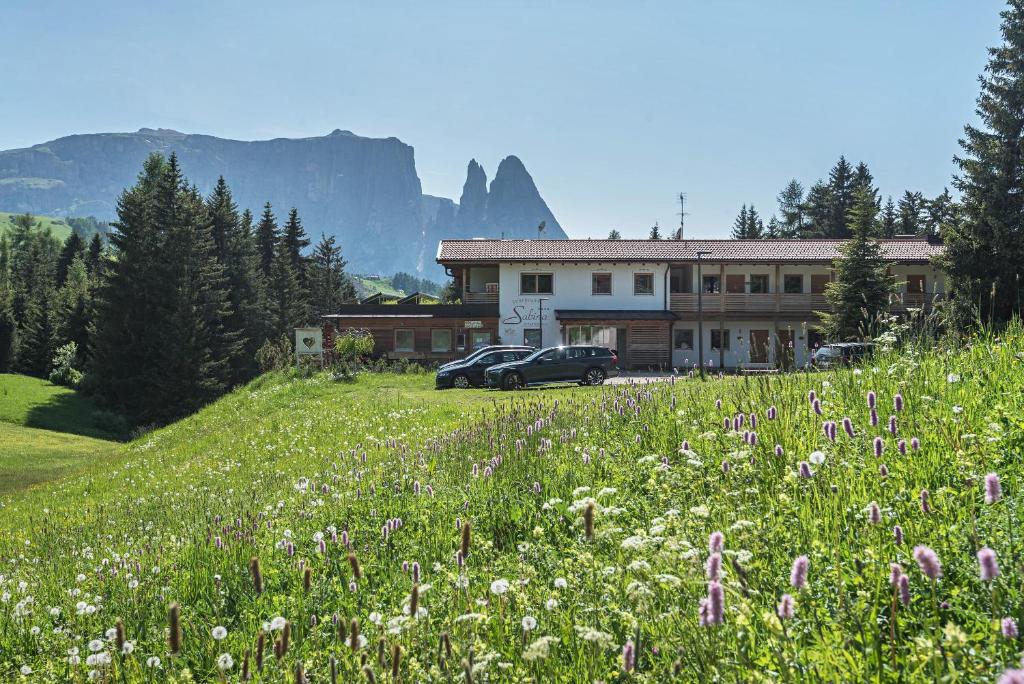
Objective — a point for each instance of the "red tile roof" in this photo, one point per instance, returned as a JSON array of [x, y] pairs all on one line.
[[809, 250]]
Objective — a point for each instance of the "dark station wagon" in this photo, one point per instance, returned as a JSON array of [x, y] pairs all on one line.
[[469, 372], [583, 364]]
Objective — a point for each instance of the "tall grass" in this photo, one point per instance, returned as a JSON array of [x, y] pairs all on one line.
[[558, 535]]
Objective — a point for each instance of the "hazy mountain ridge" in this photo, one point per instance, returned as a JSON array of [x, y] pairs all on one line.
[[363, 190]]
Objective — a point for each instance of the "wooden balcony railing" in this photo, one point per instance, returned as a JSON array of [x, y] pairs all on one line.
[[804, 303], [480, 297]]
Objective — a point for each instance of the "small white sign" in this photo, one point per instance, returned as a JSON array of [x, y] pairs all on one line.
[[309, 342], [474, 324]]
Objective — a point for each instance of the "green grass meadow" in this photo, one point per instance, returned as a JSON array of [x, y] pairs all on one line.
[[60, 229], [553, 535]]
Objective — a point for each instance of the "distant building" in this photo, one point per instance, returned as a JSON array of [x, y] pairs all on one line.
[[641, 296]]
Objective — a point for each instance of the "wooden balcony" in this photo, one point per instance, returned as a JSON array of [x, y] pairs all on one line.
[[479, 297], [736, 303]]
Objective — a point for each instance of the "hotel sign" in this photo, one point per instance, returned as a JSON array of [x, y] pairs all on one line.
[[474, 324]]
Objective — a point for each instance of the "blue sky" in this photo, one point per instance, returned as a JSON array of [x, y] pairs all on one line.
[[614, 107]]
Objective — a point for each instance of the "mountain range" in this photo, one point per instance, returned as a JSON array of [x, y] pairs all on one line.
[[365, 191]]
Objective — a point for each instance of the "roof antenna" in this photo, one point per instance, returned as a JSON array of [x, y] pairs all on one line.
[[682, 215]]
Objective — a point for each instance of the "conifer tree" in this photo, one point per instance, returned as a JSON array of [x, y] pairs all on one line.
[[655, 232], [911, 207], [8, 326], [74, 308], [295, 241], [862, 179], [818, 211], [33, 276], [73, 248], [329, 286], [888, 220], [94, 256], [741, 224], [841, 189], [985, 249], [755, 226], [289, 304], [861, 289], [940, 214], [614, 235], [267, 236], [774, 229], [791, 209]]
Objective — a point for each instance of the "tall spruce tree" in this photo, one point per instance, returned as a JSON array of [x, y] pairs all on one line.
[[94, 256], [235, 248], [818, 211], [861, 289], [888, 220], [940, 214], [655, 233], [74, 309], [8, 326], [911, 209], [614, 235], [862, 179], [774, 229], [74, 247], [984, 253], [791, 209], [267, 236], [755, 226], [289, 303], [741, 224], [34, 257], [295, 241], [329, 285], [841, 189]]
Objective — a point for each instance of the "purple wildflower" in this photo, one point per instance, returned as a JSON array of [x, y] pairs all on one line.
[[812, 396], [778, 450], [928, 562], [897, 403], [897, 534], [848, 426], [874, 513], [915, 443], [772, 412], [874, 417], [925, 506], [817, 406], [805, 470], [725, 466], [1009, 626], [871, 399], [716, 542], [892, 425], [627, 656], [716, 603], [718, 404], [988, 566], [753, 421], [895, 572], [879, 444], [714, 567], [786, 608], [798, 575], [883, 470], [904, 587], [901, 446], [993, 490]]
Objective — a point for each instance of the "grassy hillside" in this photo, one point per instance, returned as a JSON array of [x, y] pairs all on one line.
[[60, 229], [37, 403], [367, 286], [554, 535]]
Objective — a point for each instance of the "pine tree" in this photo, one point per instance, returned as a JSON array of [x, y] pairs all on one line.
[[329, 286], [889, 220], [74, 247], [267, 236], [791, 209], [74, 309], [655, 232], [860, 292], [295, 241], [741, 224], [911, 207], [841, 189], [33, 276], [985, 249], [862, 179], [94, 257], [755, 226], [940, 214], [235, 249], [614, 235], [818, 210], [8, 326], [774, 229], [289, 306]]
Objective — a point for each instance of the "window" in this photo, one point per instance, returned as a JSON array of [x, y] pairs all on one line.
[[552, 355], [680, 281], [535, 283], [579, 352], [712, 284], [793, 283], [735, 283], [601, 283], [643, 283], [480, 338], [915, 284], [818, 283], [460, 341], [682, 340], [440, 340], [719, 340], [590, 334], [531, 337], [814, 339], [512, 356], [758, 284], [405, 341]]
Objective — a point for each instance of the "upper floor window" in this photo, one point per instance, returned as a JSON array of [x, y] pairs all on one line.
[[818, 283], [712, 284], [793, 283], [680, 281], [601, 283], [536, 283], [735, 283], [643, 283], [758, 284]]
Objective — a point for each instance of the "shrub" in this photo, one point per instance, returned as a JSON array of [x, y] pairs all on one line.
[[353, 344], [111, 422], [63, 367], [275, 355]]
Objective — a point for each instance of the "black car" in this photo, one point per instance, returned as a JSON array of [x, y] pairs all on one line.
[[840, 354], [584, 364], [484, 350], [470, 370]]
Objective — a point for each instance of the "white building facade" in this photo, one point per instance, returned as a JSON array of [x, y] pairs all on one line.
[[754, 300]]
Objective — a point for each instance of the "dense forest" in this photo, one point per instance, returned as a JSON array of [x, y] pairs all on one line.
[[176, 309]]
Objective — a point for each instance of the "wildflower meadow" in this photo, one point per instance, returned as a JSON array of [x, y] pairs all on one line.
[[856, 525]]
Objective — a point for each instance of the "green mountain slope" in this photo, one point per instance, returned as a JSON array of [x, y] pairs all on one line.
[[59, 227]]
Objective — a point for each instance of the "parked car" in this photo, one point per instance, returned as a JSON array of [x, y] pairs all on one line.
[[587, 365], [840, 354], [485, 350], [470, 370]]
